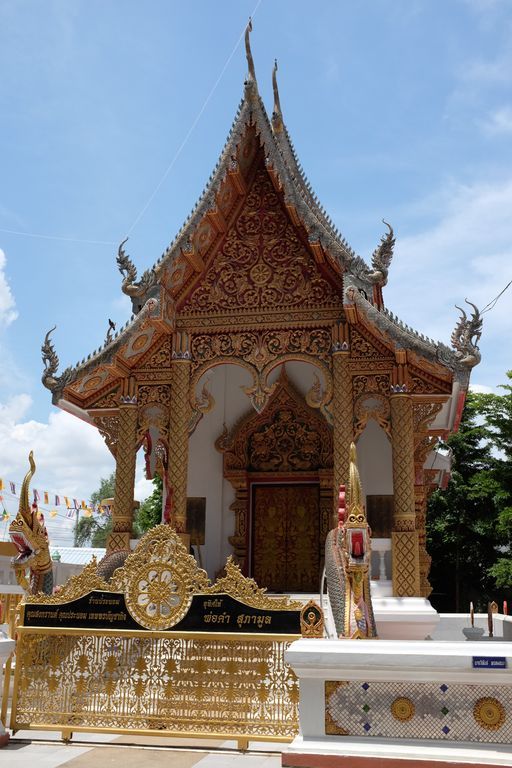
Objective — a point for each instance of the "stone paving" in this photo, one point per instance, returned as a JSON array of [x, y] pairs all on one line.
[[106, 751]]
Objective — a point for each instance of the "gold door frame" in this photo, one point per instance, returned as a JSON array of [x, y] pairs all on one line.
[[288, 483], [254, 452]]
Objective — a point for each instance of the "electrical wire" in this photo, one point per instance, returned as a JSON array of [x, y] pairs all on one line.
[[493, 303], [169, 168], [40, 236], [192, 127]]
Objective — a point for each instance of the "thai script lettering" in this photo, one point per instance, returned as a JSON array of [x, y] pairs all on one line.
[[217, 618], [258, 621], [215, 603], [93, 600]]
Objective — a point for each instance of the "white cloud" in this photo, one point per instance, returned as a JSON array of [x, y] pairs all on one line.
[[8, 311], [482, 389], [487, 71], [485, 6], [70, 456], [498, 122], [466, 253]]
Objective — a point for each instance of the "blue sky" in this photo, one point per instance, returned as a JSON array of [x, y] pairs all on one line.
[[399, 109]]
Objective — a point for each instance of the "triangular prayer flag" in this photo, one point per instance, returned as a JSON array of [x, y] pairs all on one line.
[[75, 503], [5, 515], [36, 495], [13, 488], [1, 484], [53, 513], [88, 513], [66, 502], [83, 505], [46, 499], [57, 501]]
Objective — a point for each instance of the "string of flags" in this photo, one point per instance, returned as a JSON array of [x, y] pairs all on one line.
[[73, 506]]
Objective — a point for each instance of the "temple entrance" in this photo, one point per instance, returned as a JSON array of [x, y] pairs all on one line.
[[285, 537], [279, 462]]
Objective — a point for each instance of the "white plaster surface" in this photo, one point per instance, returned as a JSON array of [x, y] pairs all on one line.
[[226, 383], [416, 660], [473, 754], [404, 618], [315, 661], [374, 461], [451, 625], [205, 473]]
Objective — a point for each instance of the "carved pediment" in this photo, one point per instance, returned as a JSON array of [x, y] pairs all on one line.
[[288, 436], [262, 263]]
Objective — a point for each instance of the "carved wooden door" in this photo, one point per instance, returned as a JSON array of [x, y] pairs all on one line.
[[285, 541]]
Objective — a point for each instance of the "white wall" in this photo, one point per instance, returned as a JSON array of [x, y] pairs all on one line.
[[205, 473], [374, 461]]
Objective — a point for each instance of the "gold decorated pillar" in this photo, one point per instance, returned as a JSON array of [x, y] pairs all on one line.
[[240, 508], [342, 410], [126, 453], [405, 546], [179, 419]]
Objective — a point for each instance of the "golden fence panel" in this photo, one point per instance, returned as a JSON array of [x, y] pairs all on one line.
[[194, 684], [9, 601]]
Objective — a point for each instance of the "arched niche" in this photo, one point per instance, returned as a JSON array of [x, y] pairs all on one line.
[[288, 443], [376, 472], [222, 391]]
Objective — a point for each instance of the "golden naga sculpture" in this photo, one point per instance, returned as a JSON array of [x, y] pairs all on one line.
[[29, 536], [347, 563]]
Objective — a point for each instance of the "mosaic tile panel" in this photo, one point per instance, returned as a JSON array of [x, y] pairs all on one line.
[[446, 711]]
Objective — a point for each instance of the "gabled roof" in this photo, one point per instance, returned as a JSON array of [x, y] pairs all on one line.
[[304, 208], [282, 163]]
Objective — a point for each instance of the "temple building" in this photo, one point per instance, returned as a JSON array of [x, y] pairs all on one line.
[[260, 347]]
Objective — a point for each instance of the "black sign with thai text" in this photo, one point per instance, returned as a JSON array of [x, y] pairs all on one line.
[[207, 613]]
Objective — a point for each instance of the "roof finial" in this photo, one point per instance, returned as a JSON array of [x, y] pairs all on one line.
[[251, 77], [381, 257], [277, 116], [250, 60]]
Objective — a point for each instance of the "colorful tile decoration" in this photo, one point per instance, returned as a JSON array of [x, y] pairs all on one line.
[[458, 712]]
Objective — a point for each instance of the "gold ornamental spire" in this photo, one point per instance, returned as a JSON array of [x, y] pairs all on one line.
[[355, 495], [277, 115], [24, 506], [248, 53]]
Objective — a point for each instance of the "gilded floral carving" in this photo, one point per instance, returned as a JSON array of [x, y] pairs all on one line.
[[371, 383], [161, 394], [262, 263], [287, 436], [261, 348]]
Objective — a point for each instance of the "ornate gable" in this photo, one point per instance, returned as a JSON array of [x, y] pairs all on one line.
[[288, 436], [262, 264]]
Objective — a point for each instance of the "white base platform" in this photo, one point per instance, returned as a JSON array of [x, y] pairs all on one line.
[[403, 618], [358, 753], [349, 687]]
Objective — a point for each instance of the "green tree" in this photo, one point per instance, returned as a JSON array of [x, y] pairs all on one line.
[[497, 410], [150, 511], [91, 531], [466, 524]]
